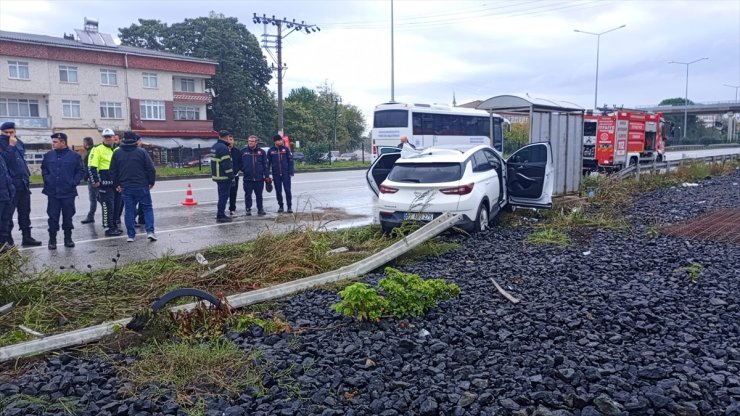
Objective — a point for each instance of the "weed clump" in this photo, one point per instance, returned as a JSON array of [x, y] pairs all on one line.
[[549, 236], [403, 295]]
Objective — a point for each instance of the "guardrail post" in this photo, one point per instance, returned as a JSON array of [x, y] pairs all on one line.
[[637, 170]]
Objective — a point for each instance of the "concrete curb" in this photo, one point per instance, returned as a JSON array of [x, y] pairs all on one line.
[[94, 333]]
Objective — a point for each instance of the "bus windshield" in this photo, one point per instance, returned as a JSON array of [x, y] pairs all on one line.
[[391, 118]]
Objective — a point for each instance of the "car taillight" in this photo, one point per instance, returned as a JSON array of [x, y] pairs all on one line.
[[458, 190], [387, 189]]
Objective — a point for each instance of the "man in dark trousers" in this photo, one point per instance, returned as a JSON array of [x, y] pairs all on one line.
[[133, 175], [7, 193], [14, 153], [92, 192], [281, 162], [254, 166], [236, 160], [222, 173], [62, 170], [99, 170]]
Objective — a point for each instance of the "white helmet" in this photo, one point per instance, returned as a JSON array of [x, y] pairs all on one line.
[[108, 132]]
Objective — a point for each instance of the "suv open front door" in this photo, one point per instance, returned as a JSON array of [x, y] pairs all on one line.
[[529, 176], [381, 167]]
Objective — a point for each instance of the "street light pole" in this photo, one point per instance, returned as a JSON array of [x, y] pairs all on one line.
[[598, 40], [686, 96], [735, 87]]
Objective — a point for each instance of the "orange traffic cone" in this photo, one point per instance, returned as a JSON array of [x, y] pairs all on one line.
[[189, 201]]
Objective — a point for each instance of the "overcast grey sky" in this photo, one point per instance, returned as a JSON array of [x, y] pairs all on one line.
[[475, 49]]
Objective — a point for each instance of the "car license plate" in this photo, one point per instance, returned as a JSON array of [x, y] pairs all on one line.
[[418, 216]]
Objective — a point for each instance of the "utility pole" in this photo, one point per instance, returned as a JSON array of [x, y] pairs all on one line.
[[686, 94], [598, 40], [337, 101], [276, 42]]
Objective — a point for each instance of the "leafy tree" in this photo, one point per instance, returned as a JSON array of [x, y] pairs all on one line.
[[310, 116], [242, 102], [695, 127], [516, 138]]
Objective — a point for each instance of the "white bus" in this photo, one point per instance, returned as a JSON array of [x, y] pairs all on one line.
[[428, 125]]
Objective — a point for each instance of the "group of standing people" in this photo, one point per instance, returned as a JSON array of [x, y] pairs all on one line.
[[255, 165], [119, 177]]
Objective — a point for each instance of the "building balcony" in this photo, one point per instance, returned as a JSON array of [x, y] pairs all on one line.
[[192, 97], [175, 128], [30, 122]]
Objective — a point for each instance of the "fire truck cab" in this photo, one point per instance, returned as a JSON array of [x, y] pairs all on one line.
[[623, 138]]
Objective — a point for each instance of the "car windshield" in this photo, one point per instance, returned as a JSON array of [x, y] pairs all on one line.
[[425, 172]]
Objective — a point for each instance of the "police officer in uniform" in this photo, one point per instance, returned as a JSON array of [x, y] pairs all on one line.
[[62, 170], [14, 153], [99, 171], [281, 163], [222, 173], [254, 166], [7, 192]]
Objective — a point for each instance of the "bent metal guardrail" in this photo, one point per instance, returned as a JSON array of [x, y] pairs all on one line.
[[636, 170], [94, 333]]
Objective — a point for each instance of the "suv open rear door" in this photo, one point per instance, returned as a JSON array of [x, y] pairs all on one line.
[[529, 176], [381, 167]]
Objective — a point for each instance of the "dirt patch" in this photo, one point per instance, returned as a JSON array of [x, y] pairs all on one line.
[[718, 225], [320, 215]]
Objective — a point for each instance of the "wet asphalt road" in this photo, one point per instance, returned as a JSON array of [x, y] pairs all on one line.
[[322, 199]]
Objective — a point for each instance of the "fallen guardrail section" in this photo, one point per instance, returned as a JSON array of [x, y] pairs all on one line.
[[94, 333], [636, 170]]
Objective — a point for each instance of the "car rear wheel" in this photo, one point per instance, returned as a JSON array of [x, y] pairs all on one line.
[[482, 220]]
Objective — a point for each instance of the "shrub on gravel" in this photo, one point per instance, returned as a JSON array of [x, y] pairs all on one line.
[[404, 295]]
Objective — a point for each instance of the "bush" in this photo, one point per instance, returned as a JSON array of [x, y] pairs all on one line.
[[314, 151], [404, 295]]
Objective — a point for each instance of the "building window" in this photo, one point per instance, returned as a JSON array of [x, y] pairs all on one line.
[[187, 113], [108, 77], [68, 74], [150, 80], [111, 110], [152, 110], [18, 70], [12, 107], [187, 85], [70, 109]]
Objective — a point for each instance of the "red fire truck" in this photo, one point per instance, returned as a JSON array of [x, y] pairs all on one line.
[[623, 138]]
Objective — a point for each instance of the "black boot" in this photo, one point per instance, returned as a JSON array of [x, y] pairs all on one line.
[[29, 241], [52, 241], [68, 239]]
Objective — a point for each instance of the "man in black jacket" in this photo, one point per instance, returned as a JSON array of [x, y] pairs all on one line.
[[134, 175], [92, 192], [254, 166], [236, 160], [62, 171], [7, 192], [13, 151], [222, 173]]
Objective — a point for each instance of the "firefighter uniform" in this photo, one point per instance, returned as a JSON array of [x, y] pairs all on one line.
[[281, 163], [15, 160], [222, 173], [254, 168], [62, 170], [99, 167], [7, 193]]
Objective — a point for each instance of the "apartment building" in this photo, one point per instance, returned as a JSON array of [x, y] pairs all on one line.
[[82, 84]]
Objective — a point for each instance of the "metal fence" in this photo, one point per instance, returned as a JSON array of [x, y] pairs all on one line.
[[659, 167]]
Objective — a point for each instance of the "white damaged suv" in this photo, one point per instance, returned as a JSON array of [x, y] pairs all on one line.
[[476, 182]]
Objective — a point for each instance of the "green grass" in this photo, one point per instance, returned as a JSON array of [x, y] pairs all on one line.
[[52, 302], [201, 369], [39, 404], [549, 236]]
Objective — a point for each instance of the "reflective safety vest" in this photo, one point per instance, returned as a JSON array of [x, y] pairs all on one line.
[[221, 163]]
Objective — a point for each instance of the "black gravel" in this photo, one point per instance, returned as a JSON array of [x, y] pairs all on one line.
[[613, 326]]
